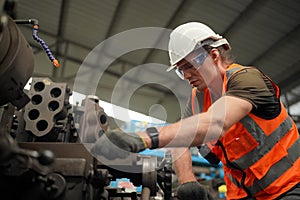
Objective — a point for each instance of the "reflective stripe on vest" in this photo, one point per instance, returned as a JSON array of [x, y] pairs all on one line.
[[275, 171], [268, 141]]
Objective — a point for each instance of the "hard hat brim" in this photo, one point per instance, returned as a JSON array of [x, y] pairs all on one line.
[[171, 68]]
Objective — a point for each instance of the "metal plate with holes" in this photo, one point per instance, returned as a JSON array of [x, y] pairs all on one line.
[[48, 104]]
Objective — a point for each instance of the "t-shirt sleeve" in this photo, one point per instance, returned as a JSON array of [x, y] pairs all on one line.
[[252, 86], [188, 109]]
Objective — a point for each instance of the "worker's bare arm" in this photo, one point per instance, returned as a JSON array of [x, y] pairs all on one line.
[[204, 127]]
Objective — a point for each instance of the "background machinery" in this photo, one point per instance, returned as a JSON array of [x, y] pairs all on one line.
[[43, 137]]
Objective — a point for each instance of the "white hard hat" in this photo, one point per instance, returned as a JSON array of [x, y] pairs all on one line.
[[185, 38]]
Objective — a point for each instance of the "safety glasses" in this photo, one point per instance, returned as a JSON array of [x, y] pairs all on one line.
[[194, 62]]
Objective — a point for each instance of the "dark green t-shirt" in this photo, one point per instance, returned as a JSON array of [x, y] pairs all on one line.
[[253, 86]]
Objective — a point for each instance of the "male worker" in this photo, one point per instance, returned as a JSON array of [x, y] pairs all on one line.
[[246, 124], [199, 101]]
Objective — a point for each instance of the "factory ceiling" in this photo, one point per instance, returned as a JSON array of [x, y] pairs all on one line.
[[117, 49]]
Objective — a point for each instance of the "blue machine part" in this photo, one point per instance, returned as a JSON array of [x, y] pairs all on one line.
[[126, 184]]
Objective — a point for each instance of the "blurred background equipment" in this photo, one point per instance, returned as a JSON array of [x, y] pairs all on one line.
[[91, 119]]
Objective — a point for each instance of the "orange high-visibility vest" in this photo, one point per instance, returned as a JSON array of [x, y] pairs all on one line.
[[207, 100], [260, 157]]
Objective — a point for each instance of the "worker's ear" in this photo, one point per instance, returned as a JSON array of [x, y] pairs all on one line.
[[214, 53]]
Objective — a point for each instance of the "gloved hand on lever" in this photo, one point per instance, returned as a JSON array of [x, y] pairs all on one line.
[[118, 144]]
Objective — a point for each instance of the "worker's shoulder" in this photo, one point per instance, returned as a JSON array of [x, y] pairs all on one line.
[[248, 70], [248, 76]]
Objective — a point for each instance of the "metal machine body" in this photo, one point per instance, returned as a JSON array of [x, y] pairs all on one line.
[[16, 63], [44, 140], [51, 160]]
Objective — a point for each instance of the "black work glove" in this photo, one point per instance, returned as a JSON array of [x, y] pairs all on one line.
[[117, 144], [192, 190]]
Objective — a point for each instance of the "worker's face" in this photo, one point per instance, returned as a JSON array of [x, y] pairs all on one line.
[[201, 71], [194, 68], [191, 74]]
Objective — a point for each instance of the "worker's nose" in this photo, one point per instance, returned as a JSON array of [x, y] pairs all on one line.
[[186, 75]]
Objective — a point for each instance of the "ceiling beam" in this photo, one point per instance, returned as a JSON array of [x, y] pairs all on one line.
[[293, 80], [292, 101], [63, 63], [278, 44], [114, 18], [295, 94], [71, 42], [291, 83], [168, 24], [60, 32], [243, 17]]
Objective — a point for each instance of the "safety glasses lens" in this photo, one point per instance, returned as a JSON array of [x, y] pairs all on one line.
[[193, 63], [200, 58], [179, 73]]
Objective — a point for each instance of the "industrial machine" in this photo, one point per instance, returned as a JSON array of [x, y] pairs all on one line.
[[44, 139]]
